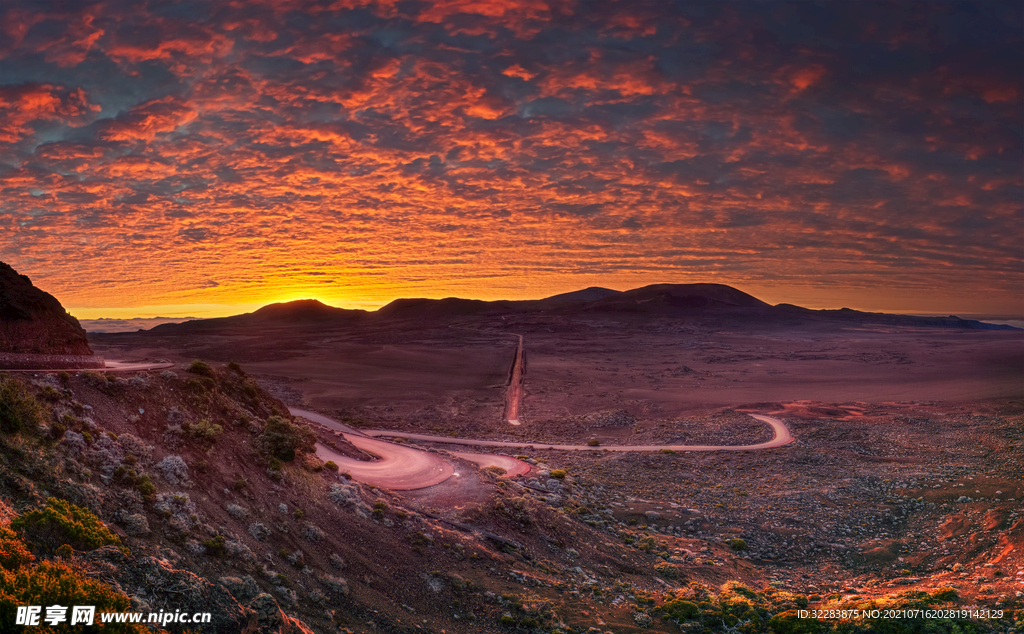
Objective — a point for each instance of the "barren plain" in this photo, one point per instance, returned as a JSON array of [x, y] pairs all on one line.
[[906, 472]]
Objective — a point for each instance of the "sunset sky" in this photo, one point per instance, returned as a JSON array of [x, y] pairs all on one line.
[[206, 158]]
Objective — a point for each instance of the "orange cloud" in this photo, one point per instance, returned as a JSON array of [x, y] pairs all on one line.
[[804, 78], [147, 120], [25, 103]]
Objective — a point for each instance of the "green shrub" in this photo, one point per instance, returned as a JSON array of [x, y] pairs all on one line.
[[144, 485], [559, 474], [18, 408], [646, 544], [679, 609], [50, 583], [283, 440], [199, 386], [593, 442], [737, 544], [379, 508], [666, 570], [215, 546], [50, 394], [59, 523], [330, 465], [239, 484], [237, 369], [251, 388], [204, 431], [201, 368]]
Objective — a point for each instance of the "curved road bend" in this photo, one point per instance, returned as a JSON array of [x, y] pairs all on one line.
[[403, 468], [782, 437], [398, 467]]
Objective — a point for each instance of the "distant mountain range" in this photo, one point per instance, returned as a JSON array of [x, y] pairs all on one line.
[[663, 300]]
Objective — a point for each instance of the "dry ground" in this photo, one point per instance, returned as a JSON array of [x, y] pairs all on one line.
[[906, 473]]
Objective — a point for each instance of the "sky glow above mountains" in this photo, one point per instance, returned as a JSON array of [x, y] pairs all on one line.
[[205, 158]]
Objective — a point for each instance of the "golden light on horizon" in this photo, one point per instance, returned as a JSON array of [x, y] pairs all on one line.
[[191, 169]]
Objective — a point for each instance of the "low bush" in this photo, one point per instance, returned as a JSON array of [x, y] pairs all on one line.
[[18, 408], [259, 531], [344, 494], [215, 546], [335, 584], [145, 486], [593, 442], [330, 465], [666, 570], [559, 474], [13, 552], [738, 544], [312, 532], [134, 446], [173, 469], [283, 440], [204, 431], [58, 583], [50, 394], [201, 368], [59, 523]]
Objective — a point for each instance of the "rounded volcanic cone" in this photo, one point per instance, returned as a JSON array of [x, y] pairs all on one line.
[[35, 328], [681, 297]]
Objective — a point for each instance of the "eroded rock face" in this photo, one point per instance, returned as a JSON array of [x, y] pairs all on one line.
[[34, 322]]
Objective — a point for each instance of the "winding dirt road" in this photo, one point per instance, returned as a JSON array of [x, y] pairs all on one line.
[[400, 467], [514, 394], [782, 437]]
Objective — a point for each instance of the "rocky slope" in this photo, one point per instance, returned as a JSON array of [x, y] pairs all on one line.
[[34, 322]]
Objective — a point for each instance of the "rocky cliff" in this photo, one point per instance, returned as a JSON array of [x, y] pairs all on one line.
[[34, 322]]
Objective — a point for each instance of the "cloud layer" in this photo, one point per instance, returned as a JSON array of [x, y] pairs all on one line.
[[176, 153]]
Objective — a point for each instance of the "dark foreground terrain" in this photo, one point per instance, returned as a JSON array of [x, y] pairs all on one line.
[[901, 493]]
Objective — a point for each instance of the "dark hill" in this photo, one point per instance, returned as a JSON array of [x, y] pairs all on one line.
[[716, 302], [34, 322], [591, 294], [674, 297], [304, 310], [420, 308], [301, 311]]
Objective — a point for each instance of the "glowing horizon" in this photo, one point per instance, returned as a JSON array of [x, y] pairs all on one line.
[[203, 160], [811, 299]]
